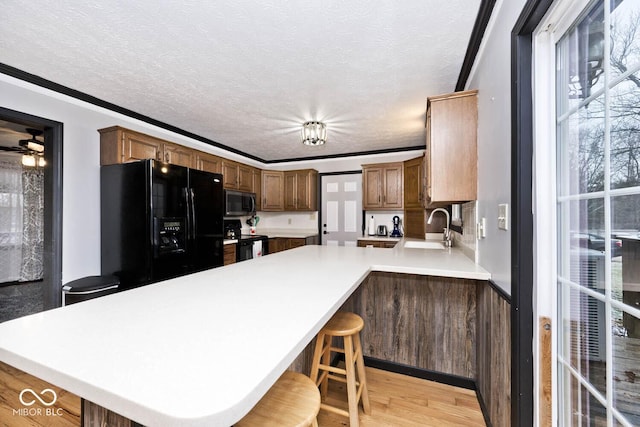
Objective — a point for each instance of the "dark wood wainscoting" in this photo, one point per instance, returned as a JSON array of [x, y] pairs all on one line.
[[494, 354], [424, 322]]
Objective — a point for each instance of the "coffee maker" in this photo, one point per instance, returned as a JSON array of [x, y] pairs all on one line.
[[396, 227]]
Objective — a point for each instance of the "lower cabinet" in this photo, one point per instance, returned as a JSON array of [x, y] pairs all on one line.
[[279, 244], [376, 243], [229, 254]]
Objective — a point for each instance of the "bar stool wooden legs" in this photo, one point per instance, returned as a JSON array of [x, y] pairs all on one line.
[[348, 326], [293, 401]]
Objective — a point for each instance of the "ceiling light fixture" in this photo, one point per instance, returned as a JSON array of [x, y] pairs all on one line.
[[314, 133]]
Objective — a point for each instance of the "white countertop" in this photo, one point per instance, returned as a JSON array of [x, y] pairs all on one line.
[[202, 349]]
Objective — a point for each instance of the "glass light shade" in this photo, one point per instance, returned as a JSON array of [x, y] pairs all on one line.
[[41, 162], [28, 160], [314, 133]]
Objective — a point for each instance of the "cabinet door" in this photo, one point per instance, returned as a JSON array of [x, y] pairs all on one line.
[[178, 155], [452, 147], [272, 191], [229, 175], [392, 196], [413, 182], [229, 254], [245, 178], [372, 187], [290, 194], [208, 163], [140, 147], [306, 190], [256, 186], [295, 243]]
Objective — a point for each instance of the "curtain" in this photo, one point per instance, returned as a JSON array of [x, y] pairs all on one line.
[[10, 219], [32, 224]]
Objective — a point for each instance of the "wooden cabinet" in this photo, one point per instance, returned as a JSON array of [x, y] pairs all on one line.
[[120, 145], [229, 253], [279, 244], [256, 180], [237, 176], [414, 183], [451, 156], [290, 191], [272, 191], [179, 155], [208, 162], [382, 186], [377, 243], [300, 190]]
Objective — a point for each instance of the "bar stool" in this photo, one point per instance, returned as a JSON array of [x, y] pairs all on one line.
[[293, 401], [348, 326]]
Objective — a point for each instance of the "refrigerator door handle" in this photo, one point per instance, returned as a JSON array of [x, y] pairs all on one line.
[[193, 213]]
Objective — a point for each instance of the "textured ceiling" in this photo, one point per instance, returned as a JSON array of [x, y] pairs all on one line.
[[247, 74]]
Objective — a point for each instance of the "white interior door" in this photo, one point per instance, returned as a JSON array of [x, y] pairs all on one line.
[[341, 212]]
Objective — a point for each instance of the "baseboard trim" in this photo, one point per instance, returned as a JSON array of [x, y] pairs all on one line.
[[425, 374]]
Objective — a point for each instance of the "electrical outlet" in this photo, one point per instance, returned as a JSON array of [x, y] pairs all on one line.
[[312, 216], [503, 216], [289, 221]]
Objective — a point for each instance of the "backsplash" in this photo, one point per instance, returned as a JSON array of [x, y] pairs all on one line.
[[467, 240], [287, 220], [383, 218]]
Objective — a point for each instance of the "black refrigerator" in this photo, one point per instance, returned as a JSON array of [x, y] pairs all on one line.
[[159, 221]]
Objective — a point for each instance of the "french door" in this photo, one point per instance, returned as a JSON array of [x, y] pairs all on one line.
[[593, 128]]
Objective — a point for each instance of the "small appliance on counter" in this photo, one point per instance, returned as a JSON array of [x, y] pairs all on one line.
[[396, 227], [382, 231]]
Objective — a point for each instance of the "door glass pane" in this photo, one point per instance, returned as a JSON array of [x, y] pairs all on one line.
[[581, 154], [584, 346], [587, 411], [626, 373], [625, 29], [625, 131]]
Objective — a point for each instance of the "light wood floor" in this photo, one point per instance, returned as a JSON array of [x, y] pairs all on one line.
[[396, 401], [403, 401]]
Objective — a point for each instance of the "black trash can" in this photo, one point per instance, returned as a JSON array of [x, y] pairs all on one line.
[[88, 288]]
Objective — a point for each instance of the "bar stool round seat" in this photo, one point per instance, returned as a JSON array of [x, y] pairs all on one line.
[[348, 326], [293, 401]]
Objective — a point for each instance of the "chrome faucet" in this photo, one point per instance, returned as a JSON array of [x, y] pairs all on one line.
[[447, 231]]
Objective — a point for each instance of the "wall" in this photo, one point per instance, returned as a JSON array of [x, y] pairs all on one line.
[[491, 75], [81, 164]]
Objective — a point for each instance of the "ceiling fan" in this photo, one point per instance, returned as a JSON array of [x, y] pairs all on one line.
[[29, 148]]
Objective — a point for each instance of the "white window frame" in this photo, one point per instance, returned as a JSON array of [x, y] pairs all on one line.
[[552, 28]]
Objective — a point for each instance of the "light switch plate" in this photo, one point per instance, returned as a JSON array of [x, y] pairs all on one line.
[[503, 216]]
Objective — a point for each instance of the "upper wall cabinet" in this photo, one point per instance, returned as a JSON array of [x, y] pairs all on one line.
[[451, 158], [414, 183], [208, 162], [301, 190], [237, 176], [382, 186], [272, 190], [120, 145]]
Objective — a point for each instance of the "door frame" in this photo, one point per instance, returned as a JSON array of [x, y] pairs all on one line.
[[522, 251], [52, 256]]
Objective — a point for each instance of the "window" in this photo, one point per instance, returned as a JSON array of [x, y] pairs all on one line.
[[10, 219], [596, 58]]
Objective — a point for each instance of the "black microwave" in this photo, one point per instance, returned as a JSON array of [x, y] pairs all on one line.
[[239, 203]]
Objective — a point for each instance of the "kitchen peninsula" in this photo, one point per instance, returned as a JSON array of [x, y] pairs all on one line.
[[202, 349]]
